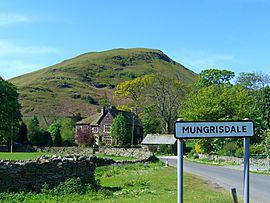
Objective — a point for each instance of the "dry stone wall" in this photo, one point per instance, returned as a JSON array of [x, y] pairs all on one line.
[[31, 175], [66, 150], [139, 153], [254, 163], [28, 175]]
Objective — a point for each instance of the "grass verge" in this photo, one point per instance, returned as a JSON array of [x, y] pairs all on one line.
[[141, 182]]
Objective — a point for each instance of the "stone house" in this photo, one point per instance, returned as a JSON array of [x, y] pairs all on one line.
[[98, 126]]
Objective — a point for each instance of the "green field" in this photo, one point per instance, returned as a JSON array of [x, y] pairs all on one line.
[[21, 155], [147, 183]]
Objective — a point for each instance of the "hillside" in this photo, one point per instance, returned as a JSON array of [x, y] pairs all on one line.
[[80, 84]]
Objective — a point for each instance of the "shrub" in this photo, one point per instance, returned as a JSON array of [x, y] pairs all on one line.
[[165, 149], [198, 148], [71, 186], [239, 152], [256, 149], [229, 149]]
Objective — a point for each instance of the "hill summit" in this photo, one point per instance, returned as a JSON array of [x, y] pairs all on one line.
[[82, 83]]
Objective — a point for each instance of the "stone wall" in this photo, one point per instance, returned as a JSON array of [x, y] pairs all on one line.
[[66, 150], [31, 175], [256, 163], [140, 153]]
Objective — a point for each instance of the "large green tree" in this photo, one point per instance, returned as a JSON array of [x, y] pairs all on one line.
[[165, 96], [156, 96], [120, 132], [35, 134], [218, 103], [213, 76], [253, 81], [10, 115], [22, 134], [133, 89], [218, 99]]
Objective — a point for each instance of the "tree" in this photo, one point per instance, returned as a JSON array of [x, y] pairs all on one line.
[[35, 134], [151, 123], [54, 130], [215, 77], [161, 95], [253, 81], [10, 115], [68, 131], [262, 106], [133, 89], [120, 132], [266, 142], [165, 96], [22, 134], [218, 102], [47, 139]]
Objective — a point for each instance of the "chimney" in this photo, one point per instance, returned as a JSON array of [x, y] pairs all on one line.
[[103, 110]]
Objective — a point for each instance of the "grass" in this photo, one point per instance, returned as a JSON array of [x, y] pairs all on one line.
[[21, 155], [149, 183]]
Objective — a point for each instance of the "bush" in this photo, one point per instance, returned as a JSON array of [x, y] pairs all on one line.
[[256, 149], [165, 149], [198, 148], [239, 152], [229, 149], [71, 186]]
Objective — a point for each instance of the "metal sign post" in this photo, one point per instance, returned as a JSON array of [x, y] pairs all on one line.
[[180, 170], [246, 170], [214, 129]]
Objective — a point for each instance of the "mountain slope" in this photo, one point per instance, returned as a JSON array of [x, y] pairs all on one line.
[[80, 84]]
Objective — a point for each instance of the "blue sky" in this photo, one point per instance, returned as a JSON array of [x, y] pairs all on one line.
[[200, 34]]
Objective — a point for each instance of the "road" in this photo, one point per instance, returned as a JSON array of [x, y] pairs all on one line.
[[229, 178]]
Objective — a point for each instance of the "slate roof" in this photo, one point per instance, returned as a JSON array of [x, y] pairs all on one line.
[[88, 120], [97, 118], [159, 139]]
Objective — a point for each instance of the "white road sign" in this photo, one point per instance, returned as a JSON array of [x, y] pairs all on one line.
[[208, 129]]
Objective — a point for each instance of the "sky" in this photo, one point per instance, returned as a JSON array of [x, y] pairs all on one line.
[[199, 34]]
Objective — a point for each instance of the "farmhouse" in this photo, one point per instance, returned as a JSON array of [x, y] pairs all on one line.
[[97, 128]]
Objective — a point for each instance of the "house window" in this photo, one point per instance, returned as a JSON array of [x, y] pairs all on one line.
[[107, 140], [95, 129], [107, 128]]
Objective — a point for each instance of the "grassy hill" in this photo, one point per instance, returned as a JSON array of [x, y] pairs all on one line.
[[80, 84]]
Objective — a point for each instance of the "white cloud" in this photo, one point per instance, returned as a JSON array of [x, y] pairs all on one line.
[[11, 18], [8, 48]]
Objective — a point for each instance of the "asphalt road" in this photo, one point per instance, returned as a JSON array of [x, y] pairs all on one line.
[[229, 178]]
